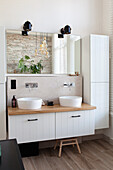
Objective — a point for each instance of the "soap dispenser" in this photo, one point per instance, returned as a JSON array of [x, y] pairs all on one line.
[[13, 102]]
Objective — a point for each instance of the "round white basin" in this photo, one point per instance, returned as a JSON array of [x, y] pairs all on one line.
[[70, 101], [29, 103]]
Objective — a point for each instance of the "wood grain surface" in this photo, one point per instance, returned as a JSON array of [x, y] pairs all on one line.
[[96, 155], [49, 109]]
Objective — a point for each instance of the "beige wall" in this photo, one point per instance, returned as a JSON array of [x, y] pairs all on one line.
[[49, 88]]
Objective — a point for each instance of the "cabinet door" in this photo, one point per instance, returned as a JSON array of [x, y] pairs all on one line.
[[71, 124], [2, 112], [100, 99], [99, 55], [35, 127]]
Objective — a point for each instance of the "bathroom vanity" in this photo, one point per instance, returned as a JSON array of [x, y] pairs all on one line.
[[50, 122], [55, 123]]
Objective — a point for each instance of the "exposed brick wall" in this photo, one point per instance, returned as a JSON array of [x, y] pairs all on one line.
[[18, 46]]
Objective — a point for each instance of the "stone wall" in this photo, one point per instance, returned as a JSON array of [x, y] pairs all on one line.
[[18, 46]]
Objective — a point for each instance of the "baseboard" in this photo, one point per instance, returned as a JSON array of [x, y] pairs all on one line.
[[46, 144], [92, 137], [50, 144], [108, 139]]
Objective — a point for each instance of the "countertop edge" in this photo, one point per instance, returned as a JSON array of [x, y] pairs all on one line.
[[49, 109]]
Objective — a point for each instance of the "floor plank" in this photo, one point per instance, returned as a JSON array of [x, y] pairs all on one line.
[[96, 155]]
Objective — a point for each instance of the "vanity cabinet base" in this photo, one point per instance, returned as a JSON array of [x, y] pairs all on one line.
[[50, 126]]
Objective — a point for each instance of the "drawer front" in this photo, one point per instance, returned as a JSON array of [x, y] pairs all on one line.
[[29, 128], [71, 124]]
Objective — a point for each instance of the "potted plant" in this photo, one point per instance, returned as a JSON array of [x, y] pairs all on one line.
[[26, 65]]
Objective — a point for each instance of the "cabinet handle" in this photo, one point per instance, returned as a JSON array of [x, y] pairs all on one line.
[[32, 120], [75, 116]]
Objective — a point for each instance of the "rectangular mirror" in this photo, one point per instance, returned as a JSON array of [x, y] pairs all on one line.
[[54, 55]]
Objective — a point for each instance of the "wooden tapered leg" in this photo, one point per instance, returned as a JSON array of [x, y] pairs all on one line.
[[60, 149], [73, 145], [56, 144], [78, 146]]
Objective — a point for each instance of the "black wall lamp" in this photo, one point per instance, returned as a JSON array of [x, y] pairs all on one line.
[[65, 30], [26, 27]]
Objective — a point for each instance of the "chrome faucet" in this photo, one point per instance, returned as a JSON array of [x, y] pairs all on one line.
[[31, 85], [69, 84]]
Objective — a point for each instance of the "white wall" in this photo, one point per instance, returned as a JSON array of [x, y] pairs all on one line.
[[107, 28], [84, 16], [107, 16]]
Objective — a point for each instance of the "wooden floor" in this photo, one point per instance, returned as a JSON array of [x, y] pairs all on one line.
[[96, 155]]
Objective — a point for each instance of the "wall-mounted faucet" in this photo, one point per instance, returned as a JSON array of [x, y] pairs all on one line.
[[69, 84], [31, 85]]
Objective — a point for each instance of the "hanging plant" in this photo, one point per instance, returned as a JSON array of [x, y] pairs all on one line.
[[26, 65]]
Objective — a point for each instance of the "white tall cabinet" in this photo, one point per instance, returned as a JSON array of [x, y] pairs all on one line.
[[95, 71], [2, 85]]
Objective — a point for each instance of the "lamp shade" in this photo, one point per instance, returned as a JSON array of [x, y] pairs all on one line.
[[27, 26], [67, 29]]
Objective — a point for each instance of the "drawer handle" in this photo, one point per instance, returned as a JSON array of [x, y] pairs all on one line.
[[32, 120], [75, 116]]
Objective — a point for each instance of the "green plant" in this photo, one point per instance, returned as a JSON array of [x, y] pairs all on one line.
[[27, 65]]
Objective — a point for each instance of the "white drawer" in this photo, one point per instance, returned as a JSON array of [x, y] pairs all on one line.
[[71, 124], [34, 127]]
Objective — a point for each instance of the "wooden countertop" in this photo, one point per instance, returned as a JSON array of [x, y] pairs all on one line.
[[49, 109]]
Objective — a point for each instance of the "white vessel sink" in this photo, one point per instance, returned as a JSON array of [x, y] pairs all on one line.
[[29, 103], [70, 101]]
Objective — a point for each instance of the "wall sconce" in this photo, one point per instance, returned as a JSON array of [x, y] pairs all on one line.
[[65, 30], [26, 27]]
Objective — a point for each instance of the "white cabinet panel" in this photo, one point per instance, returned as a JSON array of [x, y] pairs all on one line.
[[2, 112], [71, 124], [99, 52], [102, 118], [2, 55], [100, 99], [95, 71], [42, 128]]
